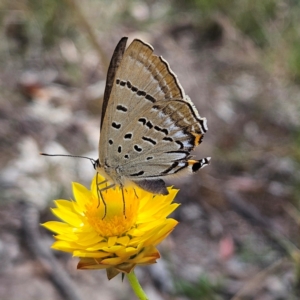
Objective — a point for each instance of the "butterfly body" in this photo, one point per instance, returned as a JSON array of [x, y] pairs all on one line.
[[149, 126]]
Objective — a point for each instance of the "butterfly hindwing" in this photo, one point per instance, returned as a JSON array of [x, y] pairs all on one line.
[[163, 136]]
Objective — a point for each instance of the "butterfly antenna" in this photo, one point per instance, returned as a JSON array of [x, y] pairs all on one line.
[[93, 161]]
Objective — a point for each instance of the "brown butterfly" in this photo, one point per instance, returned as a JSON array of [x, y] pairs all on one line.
[[148, 125]]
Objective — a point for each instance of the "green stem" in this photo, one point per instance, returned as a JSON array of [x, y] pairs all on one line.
[[136, 286]]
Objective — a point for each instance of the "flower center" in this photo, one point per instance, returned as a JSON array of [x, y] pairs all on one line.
[[120, 213]]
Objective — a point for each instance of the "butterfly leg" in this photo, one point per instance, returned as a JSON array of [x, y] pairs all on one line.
[[100, 195], [123, 198], [104, 203], [135, 193], [123, 201], [98, 190]]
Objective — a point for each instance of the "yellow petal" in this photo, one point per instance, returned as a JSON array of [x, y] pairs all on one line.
[[64, 205], [88, 239], [112, 261], [163, 233], [126, 252], [67, 216], [112, 249], [58, 227], [63, 246], [82, 195], [96, 254], [98, 246], [71, 237], [112, 240], [124, 240]]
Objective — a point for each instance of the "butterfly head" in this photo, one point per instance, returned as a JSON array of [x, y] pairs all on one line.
[[96, 164], [111, 174]]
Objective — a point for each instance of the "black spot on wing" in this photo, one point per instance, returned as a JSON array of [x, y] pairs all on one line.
[[147, 139], [129, 85], [134, 89], [164, 130], [149, 125], [196, 166], [120, 149], [110, 141], [180, 144], [199, 164], [138, 148], [122, 108], [116, 125], [169, 139], [141, 93], [142, 120], [138, 173], [150, 98], [128, 136]]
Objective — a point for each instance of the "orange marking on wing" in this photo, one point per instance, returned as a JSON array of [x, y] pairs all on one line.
[[192, 161], [197, 138]]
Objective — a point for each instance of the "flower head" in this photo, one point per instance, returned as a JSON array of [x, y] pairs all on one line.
[[115, 234]]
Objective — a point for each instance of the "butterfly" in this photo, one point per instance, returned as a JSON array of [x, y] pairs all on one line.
[[148, 125]]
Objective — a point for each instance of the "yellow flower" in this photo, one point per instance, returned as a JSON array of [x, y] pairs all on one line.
[[118, 240]]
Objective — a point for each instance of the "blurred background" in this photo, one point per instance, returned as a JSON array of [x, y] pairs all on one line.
[[238, 60]]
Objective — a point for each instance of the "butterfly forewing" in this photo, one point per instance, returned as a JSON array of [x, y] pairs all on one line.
[[111, 73], [141, 79]]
